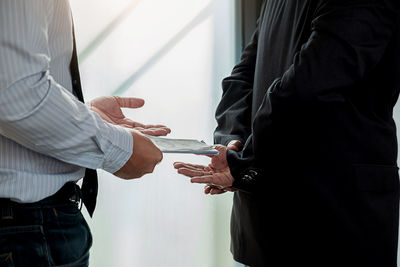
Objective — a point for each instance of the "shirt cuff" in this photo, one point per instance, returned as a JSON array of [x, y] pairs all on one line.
[[119, 147]]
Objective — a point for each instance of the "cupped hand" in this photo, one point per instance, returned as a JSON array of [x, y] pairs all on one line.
[[109, 109], [234, 145], [217, 174]]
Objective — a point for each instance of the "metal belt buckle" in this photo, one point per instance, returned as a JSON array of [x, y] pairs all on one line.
[[76, 198]]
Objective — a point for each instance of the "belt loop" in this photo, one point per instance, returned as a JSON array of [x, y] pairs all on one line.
[[7, 213]]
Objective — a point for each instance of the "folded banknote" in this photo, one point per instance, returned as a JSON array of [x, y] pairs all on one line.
[[190, 146]]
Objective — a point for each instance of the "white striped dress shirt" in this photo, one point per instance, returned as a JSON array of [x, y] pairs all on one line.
[[47, 137]]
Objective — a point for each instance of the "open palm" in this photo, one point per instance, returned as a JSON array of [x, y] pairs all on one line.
[[217, 174], [109, 109]]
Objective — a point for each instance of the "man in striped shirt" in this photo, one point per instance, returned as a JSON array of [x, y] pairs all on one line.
[[48, 137]]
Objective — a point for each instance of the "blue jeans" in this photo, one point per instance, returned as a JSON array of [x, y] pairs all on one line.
[[50, 233]]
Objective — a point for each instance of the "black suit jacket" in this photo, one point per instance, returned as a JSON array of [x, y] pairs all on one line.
[[312, 99]]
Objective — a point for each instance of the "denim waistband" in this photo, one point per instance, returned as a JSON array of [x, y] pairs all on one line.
[[69, 194]]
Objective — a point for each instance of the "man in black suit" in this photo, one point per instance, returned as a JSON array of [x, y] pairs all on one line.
[[312, 101]]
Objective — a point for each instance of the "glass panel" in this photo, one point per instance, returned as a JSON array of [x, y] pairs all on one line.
[[397, 119], [174, 55], [93, 16]]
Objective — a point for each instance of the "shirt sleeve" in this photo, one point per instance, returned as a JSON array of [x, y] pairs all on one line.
[[36, 111]]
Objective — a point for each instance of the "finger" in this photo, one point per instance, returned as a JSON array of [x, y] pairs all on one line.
[[133, 123], [153, 132], [206, 155], [146, 127], [194, 166], [233, 147], [165, 130], [129, 102], [126, 126], [213, 190], [220, 148], [193, 173], [198, 169], [154, 126], [178, 165], [216, 191], [203, 179], [207, 189]]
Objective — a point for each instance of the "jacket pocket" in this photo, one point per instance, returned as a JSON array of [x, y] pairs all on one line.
[[376, 178]]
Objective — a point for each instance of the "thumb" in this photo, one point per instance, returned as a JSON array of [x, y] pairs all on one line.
[[235, 145], [129, 102]]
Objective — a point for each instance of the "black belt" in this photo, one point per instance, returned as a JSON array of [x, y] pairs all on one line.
[[70, 192]]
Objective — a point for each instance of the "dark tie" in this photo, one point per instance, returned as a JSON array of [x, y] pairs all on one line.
[[90, 183]]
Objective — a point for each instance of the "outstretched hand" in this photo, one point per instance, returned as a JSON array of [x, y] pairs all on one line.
[[234, 145], [217, 175], [109, 109]]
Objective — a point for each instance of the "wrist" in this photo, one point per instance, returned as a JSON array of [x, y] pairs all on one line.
[[121, 143]]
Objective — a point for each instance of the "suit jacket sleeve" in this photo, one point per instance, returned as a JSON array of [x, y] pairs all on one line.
[[348, 40], [233, 113]]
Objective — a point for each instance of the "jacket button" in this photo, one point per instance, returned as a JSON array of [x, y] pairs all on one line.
[[253, 173], [247, 178]]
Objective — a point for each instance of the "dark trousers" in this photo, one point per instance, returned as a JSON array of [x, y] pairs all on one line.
[[51, 232]]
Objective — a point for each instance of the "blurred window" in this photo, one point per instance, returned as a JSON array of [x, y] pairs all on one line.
[[173, 54]]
